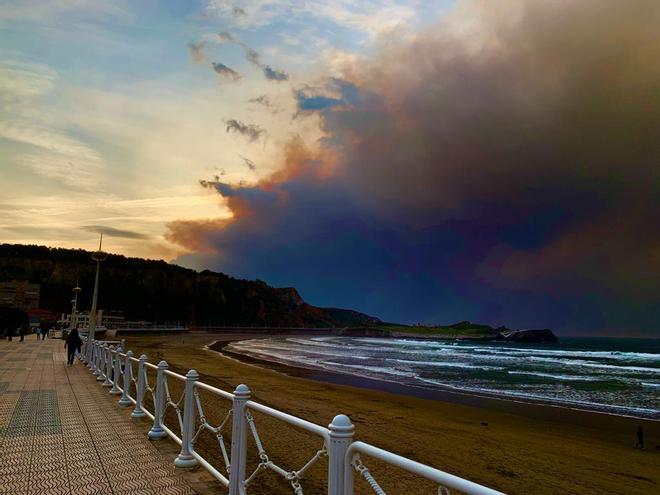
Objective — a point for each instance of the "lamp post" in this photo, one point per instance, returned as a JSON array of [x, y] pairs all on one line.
[[97, 256], [74, 310]]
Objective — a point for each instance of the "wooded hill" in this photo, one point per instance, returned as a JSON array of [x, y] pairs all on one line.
[[162, 292]]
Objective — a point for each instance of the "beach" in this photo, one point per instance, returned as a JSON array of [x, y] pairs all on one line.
[[514, 447]]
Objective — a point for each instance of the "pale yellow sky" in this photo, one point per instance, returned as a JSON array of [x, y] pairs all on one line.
[[107, 122]]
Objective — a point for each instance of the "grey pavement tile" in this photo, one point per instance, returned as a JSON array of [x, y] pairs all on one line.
[[62, 433]]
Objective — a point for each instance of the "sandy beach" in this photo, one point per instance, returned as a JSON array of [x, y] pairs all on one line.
[[514, 447]]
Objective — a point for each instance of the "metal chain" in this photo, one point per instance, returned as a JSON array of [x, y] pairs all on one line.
[[364, 472], [174, 405], [292, 477], [217, 430]]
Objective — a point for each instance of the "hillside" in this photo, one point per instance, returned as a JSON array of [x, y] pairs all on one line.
[[159, 291]]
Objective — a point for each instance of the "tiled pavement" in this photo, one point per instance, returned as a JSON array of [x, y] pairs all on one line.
[[61, 433]]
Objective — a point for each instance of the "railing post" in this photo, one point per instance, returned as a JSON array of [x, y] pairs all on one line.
[[139, 389], [157, 431], [89, 353], [341, 436], [92, 362], [83, 350], [108, 366], [101, 363], [93, 354], [238, 441], [99, 359], [185, 458], [125, 399], [97, 347], [115, 390]]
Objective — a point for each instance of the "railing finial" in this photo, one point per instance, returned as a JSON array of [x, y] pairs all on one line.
[[341, 436]]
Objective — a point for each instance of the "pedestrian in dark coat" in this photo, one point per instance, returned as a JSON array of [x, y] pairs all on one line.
[[72, 344], [640, 438], [22, 331]]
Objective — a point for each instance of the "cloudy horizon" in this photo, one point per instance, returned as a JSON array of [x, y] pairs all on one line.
[[417, 161]]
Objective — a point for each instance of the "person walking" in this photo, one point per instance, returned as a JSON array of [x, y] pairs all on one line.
[[72, 345], [640, 438], [22, 331], [44, 333], [10, 333]]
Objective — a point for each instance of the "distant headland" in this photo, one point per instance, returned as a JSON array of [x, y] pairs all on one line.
[[152, 290]]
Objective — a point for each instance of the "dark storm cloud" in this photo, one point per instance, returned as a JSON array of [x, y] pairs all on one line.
[[274, 74], [249, 163], [225, 72], [251, 131], [266, 103], [226, 37], [507, 172], [315, 103], [254, 58], [197, 51], [261, 100], [334, 93], [113, 232]]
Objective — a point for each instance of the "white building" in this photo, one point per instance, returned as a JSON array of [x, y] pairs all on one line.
[[102, 320]]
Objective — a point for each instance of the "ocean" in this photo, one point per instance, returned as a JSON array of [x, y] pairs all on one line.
[[616, 376]]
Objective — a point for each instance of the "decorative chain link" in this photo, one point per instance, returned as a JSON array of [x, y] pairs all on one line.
[[216, 430], [174, 405], [292, 477], [364, 472]]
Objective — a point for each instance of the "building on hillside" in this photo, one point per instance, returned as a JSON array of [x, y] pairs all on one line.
[[20, 293]]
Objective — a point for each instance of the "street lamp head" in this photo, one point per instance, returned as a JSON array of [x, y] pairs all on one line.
[[76, 290], [99, 256]]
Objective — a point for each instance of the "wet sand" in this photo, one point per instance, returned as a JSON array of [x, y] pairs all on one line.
[[515, 447]]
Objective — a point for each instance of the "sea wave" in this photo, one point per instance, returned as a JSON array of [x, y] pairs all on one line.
[[376, 369], [628, 383], [447, 364], [554, 376], [582, 404], [610, 355]]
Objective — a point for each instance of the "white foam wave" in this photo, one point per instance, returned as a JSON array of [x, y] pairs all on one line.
[[447, 364], [612, 355], [375, 369], [554, 376], [585, 404]]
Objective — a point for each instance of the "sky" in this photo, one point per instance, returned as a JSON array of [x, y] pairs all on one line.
[[421, 161]]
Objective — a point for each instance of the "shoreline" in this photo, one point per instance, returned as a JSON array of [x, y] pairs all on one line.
[[537, 409]]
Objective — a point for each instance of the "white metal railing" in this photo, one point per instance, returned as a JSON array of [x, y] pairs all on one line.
[[113, 366]]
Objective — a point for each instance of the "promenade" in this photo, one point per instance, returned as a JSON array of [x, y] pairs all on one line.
[[60, 432]]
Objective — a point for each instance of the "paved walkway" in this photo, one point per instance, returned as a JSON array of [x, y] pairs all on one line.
[[61, 433]]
